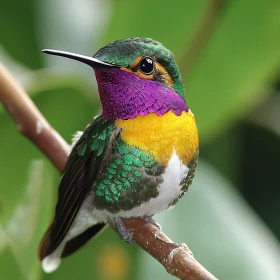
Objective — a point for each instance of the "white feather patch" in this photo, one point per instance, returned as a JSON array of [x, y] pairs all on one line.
[[169, 190], [52, 261], [76, 138], [77, 135]]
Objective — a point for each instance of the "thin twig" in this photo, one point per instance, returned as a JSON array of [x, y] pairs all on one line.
[[204, 30], [176, 258]]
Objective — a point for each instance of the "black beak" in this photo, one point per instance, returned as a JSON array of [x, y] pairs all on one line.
[[91, 61]]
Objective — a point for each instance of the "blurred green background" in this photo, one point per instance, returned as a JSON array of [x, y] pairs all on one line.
[[230, 216]]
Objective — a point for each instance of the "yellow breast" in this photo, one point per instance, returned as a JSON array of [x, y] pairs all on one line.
[[160, 135]]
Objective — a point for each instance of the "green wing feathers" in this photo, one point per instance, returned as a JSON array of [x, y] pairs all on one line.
[[82, 170], [130, 178]]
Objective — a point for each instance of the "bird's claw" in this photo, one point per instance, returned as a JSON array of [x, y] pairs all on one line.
[[150, 220], [125, 233]]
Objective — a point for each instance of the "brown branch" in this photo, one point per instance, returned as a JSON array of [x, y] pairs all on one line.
[[204, 30], [30, 122], [176, 258]]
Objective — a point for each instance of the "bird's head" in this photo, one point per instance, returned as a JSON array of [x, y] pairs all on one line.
[[135, 76]]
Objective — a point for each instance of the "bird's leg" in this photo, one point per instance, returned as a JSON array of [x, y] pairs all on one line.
[[125, 233], [150, 220]]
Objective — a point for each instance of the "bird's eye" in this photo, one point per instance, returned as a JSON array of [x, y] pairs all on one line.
[[146, 65]]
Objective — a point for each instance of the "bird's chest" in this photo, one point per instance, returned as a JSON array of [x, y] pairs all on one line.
[[162, 135], [168, 191], [172, 140]]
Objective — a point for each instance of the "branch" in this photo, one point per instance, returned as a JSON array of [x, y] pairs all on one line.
[[176, 258], [30, 122], [202, 34]]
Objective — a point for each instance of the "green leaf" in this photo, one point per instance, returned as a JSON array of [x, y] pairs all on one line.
[[224, 234], [18, 31], [9, 267], [240, 62], [16, 154], [27, 224], [169, 23]]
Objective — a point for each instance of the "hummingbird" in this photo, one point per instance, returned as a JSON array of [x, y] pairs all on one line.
[[134, 160]]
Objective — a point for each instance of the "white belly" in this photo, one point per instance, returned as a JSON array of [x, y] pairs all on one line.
[[169, 190]]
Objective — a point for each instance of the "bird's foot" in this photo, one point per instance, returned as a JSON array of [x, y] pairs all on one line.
[[125, 233], [150, 220]]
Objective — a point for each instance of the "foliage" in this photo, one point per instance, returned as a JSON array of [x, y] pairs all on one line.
[[230, 91]]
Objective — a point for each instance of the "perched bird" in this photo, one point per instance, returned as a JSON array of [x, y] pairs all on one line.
[[136, 159]]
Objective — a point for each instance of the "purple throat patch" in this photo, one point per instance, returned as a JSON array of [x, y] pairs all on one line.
[[125, 95]]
